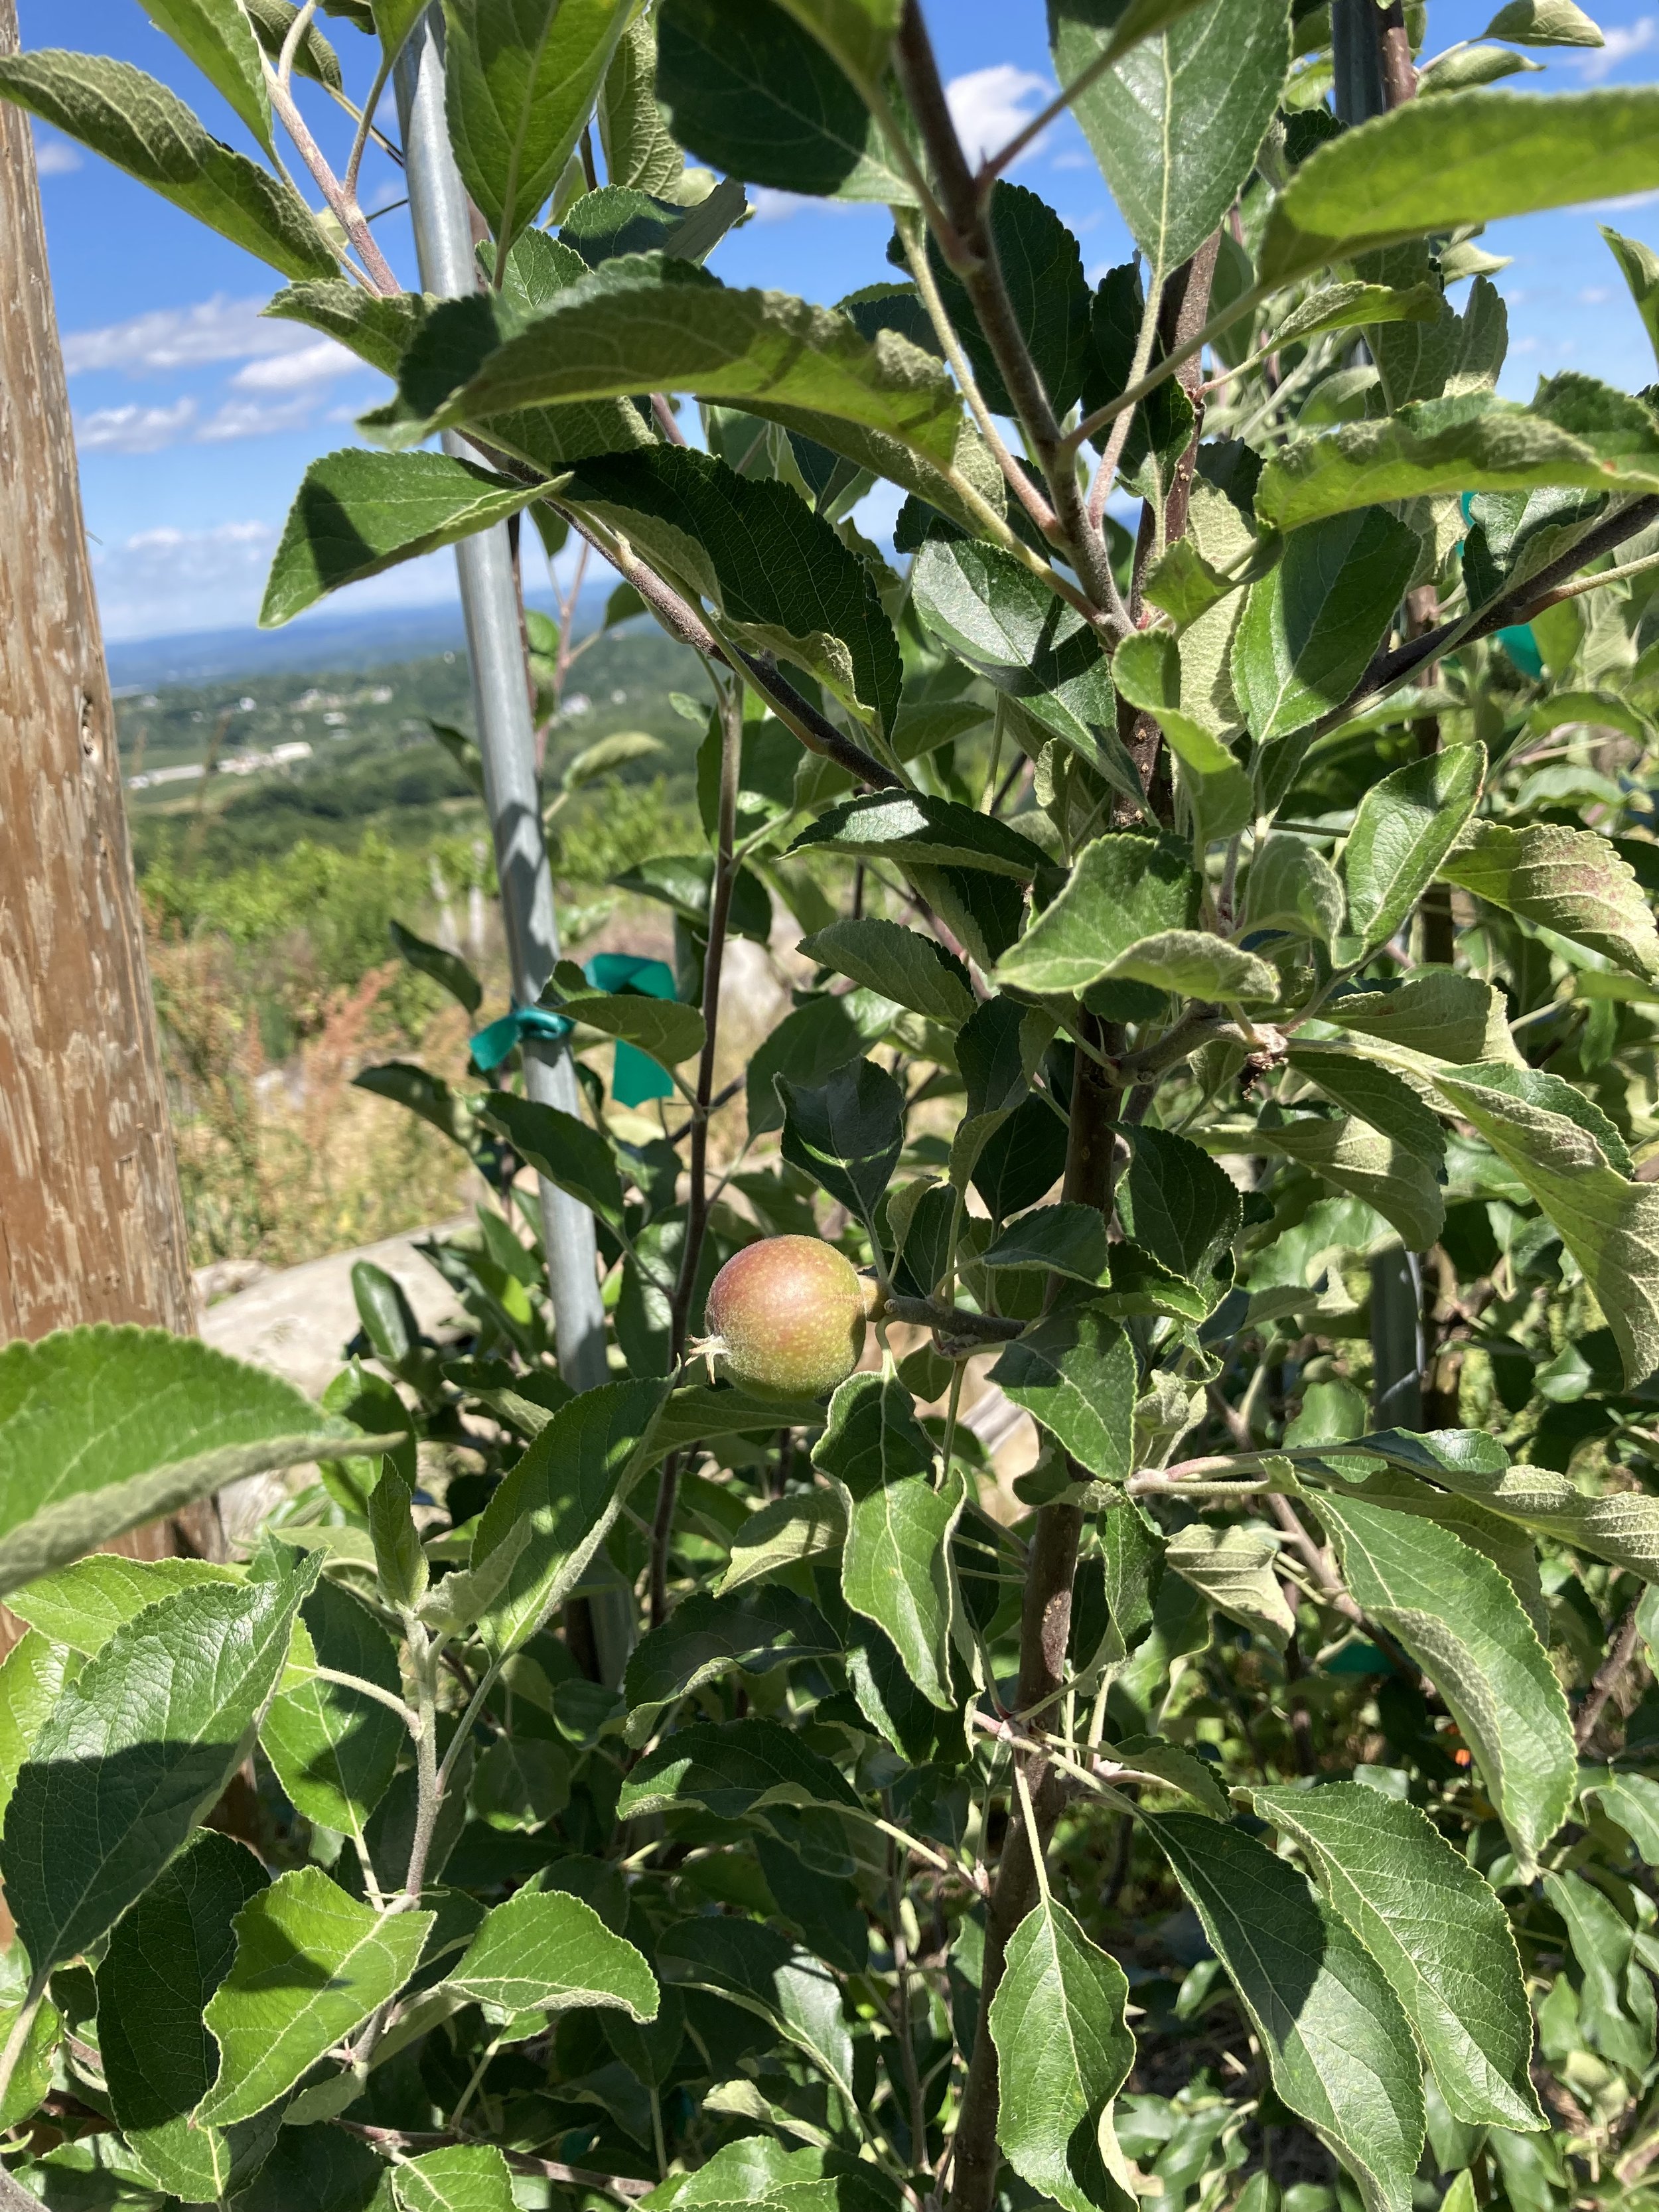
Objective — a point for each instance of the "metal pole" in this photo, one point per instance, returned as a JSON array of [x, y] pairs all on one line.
[[444, 244]]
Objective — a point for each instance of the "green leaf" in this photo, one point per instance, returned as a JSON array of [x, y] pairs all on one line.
[[1404, 826], [1437, 1930], [1572, 881], [1064, 2050], [1041, 267], [1544, 23], [545, 1951], [644, 323], [902, 965], [135, 1750], [1602, 1945], [778, 574], [312, 1964], [219, 38], [1467, 441], [707, 1636], [1163, 422], [357, 514], [1638, 265], [858, 33], [464, 2178], [757, 96], [847, 1134], [102, 1429], [1608, 1222], [553, 1510], [1177, 1203], [1310, 626], [314, 58], [1176, 124], [894, 1564], [446, 968], [1062, 1239], [1234, 1569], [809, 1044], [1347, 307], [991, 612], [165, 1958], [1075, 1373], [640, 151], [913, 828], [84, 1604], [32, 1679], [669, 1033], [563, 1148], [1337, 2042], [1471, 157], [520, 77], [805, 1526], [1361, 1087], [732, 1769], [1124, 888], [144, 129], [1451, 1017], [1291, 887], [1459, 1620], [1397, 1182], [1620, 1526], [1631, 1800], [1195, 964], [765, 1973], [334, 1750]]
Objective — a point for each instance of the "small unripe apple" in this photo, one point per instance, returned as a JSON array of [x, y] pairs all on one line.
[[786, 1314]]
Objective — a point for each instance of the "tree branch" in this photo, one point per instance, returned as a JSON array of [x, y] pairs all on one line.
[[1619, 1657], [970, 251]]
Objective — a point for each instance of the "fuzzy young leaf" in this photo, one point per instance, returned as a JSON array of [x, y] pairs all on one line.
[[312, 1964], [144, 129], [1064, 2050], [82, 1605], [895, 1566], [1123, 890], [1608, 1223], [1337, 2042], [135, 1750], [520, 77], [1398, 1182], [1460, 1620], [1404, 826], [1437, 1930], [808, 1525], [1450, 1017], [543, 1951], [1234, 1568], [1572, 881]]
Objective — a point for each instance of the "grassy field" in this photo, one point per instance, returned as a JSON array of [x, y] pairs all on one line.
[[268, 890]]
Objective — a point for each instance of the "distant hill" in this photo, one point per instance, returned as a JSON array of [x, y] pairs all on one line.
[[316, 644]]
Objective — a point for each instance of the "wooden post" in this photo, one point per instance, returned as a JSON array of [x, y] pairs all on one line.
[[92, 1227]]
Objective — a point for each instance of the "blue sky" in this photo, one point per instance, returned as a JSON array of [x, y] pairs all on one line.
[[195, 419]]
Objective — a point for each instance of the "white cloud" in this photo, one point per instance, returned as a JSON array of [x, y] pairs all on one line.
[[54, 157], [1594, 295], [989, 105], [254, 418], [1621, 205], [1621, 42], [318, 363], [133, 430], [165, 580], [219, 329]]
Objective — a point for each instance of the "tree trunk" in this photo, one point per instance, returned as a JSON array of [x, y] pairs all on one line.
[[91, 1224]]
